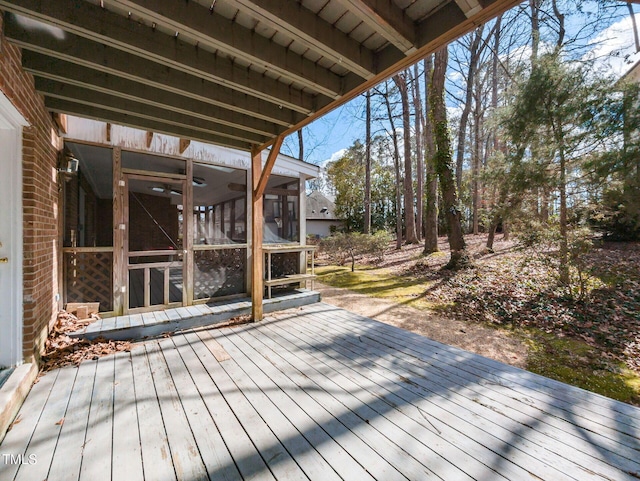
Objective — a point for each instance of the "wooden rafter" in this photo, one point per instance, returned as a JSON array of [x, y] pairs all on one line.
[[237, 73]]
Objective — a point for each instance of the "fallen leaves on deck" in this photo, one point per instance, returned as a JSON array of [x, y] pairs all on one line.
[[64, 350]]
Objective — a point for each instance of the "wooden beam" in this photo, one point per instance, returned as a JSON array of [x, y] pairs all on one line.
[[61, 122], [469, 7], [187, 242], [313, 32], [104, 115], [259, 179], [184, 144], [430, 37], [80, 95], [119, 255], [149, 138], [268, 166], [386, 18], [257, 257], [228, 36], [108, 132], [205, 100], [179, 56]]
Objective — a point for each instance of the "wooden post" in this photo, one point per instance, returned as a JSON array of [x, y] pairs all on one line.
[[119, 264], [187, 241], [257, 272], [259, 179]]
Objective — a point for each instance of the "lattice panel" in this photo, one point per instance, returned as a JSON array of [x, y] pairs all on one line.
[[219, 273], [88, 277], [284, 264]]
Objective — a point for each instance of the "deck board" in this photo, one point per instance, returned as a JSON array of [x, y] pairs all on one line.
[[156, 455], [316, 393], [431, 428], [45, 436], [68, 455], [488, 435], [127, 459], [99, 436], [17, 439]]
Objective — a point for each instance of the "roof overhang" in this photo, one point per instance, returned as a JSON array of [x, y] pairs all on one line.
[[237, 73]]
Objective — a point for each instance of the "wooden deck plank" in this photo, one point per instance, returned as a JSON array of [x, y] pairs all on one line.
[[68, 455], [526, 399], [564, 396], [384, 458], [246, 457], [279, 460], [315, 423], [186, 458], [156, 455], [45, 436], [127, 454], [485, 438], [298, 446], [427, 446], [216, 349], [215, 455], [315, 393], [17, 439], [559, 435], [99, 440], [459, 370]]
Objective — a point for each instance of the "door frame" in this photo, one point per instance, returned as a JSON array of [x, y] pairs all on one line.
[[11, 314], [186, 251]]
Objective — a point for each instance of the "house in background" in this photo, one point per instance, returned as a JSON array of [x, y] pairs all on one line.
[[321, 216]]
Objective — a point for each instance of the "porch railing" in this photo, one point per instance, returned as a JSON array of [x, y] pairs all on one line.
[[154, 282]]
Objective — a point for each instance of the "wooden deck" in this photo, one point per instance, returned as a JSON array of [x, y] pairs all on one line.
[[314, 393]]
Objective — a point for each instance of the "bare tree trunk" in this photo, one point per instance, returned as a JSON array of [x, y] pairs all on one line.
[[417, 107], [444, 163], [476, 160], [396, 162], [300, 145], [367, 172], [409, 214], [564, 234], [534, 6], [635, 26], [474, 54], [561, 28], [431, 205]]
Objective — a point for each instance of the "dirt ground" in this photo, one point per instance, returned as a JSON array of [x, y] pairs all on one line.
[[492, 343]]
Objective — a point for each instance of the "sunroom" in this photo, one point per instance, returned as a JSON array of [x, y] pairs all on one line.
[[151, 221]]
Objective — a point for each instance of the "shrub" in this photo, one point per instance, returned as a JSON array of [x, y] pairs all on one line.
[[341, 246]]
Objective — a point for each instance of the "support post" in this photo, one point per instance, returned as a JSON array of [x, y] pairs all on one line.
[[119, 261], [257, 272], [259, 179], [187, 240]]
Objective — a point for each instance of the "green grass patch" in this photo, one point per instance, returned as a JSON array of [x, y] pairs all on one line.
[[574, 362], [379, 283]]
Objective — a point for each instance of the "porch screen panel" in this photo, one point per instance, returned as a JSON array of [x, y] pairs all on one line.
[[88, 226], [220, 231], [219, 272], [281, 211]]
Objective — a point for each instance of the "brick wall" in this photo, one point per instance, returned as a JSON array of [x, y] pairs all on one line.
[[42, 262]]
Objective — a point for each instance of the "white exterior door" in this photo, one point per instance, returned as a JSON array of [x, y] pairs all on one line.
[[11, 311]]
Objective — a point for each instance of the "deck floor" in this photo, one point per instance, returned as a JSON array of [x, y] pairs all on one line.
[[313, 393]]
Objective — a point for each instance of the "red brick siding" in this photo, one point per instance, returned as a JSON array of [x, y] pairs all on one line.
[[40, 200]]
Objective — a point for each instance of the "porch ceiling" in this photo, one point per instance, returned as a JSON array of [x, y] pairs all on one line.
[[232, 72]]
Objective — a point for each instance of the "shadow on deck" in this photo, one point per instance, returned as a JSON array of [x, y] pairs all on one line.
[[315, 393]]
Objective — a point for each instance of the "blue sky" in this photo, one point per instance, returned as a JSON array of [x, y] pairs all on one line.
[[326, 138]]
